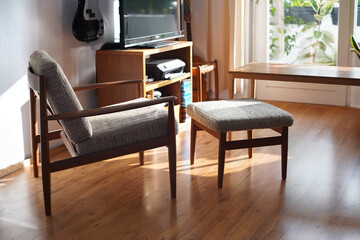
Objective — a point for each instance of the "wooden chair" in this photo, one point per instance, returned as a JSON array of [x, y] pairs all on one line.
[[199, 70], [96, 134]]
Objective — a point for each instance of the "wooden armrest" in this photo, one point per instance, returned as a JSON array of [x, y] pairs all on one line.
[[105, 84], [110, 109]]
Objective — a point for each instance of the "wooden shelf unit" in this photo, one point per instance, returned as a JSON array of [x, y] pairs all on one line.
[[115, 65]]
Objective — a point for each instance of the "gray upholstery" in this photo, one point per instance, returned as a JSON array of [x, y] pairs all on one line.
[[61, 96], [127, 127], [101, 132], [237, 115]]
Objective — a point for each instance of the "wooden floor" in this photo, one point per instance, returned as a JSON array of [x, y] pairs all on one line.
[[118, 199]]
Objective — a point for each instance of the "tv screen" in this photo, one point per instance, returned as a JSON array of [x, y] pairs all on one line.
[[143, 22]]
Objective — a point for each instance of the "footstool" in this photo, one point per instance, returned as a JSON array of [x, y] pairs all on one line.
[[220, 117]]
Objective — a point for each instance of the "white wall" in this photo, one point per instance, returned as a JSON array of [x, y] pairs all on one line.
[[210, 38], [199, 27], [39, 24]]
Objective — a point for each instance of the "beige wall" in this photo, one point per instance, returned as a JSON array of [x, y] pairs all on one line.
[[210, 32], [39, 24]]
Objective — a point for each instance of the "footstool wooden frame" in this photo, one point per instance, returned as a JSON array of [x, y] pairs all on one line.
[[220, 117]]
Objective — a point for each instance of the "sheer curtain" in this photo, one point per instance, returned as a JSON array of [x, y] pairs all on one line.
[[239, 41], [221, 30]]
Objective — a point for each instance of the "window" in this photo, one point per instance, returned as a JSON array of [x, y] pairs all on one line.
[[303, 32], [357, 29]]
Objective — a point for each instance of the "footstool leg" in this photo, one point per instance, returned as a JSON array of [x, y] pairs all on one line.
[[249, 135], [141, 157], [192, 142], [221, 164], [284, 151]]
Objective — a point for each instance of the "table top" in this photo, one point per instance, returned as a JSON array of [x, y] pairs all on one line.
[[300, 73]]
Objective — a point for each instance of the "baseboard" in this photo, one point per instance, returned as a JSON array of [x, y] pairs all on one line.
[[26, 162], [13, 168]]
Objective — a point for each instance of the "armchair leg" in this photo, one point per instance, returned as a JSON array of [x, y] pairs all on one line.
[[249, 136], [47, 192], [284, 151], [192, 142], [141, 157], [45, 168], [172, 168], [221, 159], [34, 132]]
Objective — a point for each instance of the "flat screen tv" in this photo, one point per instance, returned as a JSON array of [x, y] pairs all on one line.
[[147, 23]]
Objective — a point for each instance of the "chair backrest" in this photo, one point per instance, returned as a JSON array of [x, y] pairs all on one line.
[[204, 68], [60, 95]]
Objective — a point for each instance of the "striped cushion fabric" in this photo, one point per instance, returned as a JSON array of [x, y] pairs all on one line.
[[61, 96], [127, 127], [237, 115]]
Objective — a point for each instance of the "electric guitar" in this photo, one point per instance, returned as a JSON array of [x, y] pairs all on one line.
[[88, 24]]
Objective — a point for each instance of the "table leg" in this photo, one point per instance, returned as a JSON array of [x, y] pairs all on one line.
[[231, 86], [252, 88]]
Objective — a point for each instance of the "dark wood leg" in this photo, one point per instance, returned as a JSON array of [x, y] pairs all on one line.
[[141, 157], [216, 76], [172, 149], [221, 160], [46, 184], [231, 86], [34, 132], [44, 140], [284, 151], [172, 169], [192, 142], [252, 88], [249, 136]]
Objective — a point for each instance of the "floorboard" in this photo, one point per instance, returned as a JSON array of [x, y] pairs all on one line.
[[118, 199]]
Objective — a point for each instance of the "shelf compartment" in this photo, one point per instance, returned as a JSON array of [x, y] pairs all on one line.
[[161, 83]]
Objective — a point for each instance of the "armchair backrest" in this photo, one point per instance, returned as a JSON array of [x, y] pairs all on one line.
[[60, 95]]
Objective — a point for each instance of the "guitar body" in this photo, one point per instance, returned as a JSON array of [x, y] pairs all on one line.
[[88, 24]]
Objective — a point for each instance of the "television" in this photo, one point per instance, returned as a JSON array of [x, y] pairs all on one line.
[[147, 23]]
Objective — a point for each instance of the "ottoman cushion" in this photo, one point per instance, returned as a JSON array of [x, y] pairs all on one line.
[[239, 114]]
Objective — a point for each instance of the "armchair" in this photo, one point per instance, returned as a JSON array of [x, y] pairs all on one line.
[[95, 134]]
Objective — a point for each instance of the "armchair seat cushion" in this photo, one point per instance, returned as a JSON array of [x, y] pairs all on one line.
[[126, 127]]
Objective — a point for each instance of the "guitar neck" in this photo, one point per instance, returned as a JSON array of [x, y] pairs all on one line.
[[188, 29]]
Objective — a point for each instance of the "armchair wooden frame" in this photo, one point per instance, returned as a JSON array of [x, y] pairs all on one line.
[[37, 86]]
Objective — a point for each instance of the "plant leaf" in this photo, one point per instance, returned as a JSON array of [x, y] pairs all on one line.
[[308, 26], [317, 34], [328, 37], [322, 46], [307, 55], [318, 17], [326, 8], [315, 5]]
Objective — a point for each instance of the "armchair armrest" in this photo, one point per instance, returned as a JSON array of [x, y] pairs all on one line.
[[105, 84], [110, 109]]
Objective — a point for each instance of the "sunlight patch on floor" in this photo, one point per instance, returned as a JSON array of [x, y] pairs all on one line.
[[18, 222]]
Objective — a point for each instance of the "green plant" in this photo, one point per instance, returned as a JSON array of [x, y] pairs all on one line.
[[355, 46], [319, 48], [289, 38]]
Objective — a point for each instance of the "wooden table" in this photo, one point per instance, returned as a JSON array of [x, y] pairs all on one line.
[[294, 73]]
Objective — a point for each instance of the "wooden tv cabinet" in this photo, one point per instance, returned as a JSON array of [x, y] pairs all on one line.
[[114, 65]]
